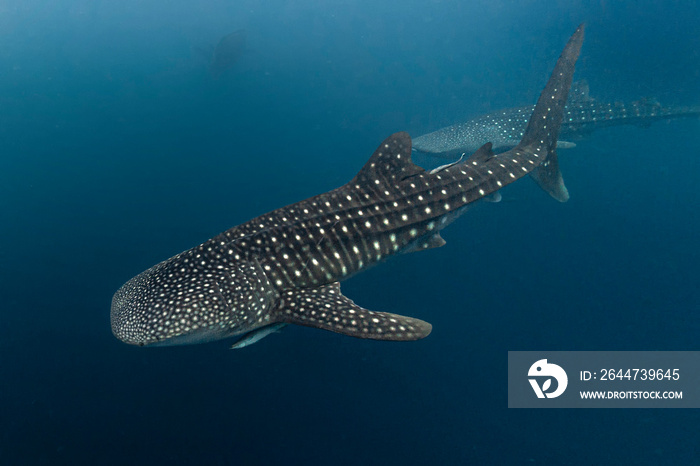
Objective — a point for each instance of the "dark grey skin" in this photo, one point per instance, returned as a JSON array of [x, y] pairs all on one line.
[[285, 266]]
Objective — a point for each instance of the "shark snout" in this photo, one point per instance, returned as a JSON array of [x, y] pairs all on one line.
[[156, 309], [129, 313]]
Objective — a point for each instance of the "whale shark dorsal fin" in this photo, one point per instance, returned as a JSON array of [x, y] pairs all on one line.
[[482, 154], [326, 308], [579, 93], [390, 162]]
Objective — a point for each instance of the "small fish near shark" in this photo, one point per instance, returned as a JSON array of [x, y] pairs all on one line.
[[284, 267], [582, 115]]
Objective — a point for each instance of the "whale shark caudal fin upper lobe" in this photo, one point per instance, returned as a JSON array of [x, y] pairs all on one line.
[[543, 129], [326, 308]]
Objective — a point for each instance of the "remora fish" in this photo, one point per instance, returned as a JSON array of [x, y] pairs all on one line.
[[284, 266], [582, 115], [257, 335]]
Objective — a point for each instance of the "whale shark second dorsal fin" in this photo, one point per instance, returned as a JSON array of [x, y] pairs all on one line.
[[579, 93], [482, 154]]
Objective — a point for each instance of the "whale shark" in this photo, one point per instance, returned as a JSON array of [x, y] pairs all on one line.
[[227, 52], [582, 115], [284, 267]]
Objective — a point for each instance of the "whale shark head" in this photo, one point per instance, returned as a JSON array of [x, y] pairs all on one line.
[[192, 298]]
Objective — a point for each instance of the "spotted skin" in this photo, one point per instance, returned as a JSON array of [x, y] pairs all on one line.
[[284, 266], [504, 128]]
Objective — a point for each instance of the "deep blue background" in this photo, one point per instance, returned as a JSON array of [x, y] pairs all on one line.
[[119, 150]]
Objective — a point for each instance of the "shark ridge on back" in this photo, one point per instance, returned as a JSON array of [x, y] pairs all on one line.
[[285, 266]]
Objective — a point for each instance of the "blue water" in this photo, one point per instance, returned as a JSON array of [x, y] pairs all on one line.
[[119, 150]]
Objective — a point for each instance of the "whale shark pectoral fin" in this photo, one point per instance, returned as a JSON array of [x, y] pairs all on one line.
[[565, 144], [326, 308]]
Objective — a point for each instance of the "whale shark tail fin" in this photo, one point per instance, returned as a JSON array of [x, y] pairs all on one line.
[[542, 130]]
